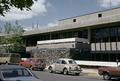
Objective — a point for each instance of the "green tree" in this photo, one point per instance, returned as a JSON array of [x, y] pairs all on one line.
[[13, 41], [7, 28], [5, 5]]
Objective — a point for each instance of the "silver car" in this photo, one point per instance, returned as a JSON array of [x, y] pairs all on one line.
[[16, 73], [65, 66]]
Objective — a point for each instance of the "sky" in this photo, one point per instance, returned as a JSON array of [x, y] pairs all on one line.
[[47, 13]]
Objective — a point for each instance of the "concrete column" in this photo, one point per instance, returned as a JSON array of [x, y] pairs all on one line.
[[50, 36], [89, 35]]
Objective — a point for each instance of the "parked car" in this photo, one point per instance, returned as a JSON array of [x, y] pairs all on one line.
[[65, 66], [16, 73], [9, 58], [109, 72], [34, 63]]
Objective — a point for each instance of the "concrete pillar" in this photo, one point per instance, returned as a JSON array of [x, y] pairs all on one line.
[[89, 35]]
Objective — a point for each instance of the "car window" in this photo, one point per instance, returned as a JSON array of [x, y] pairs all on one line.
[[58, 61], [71, 62], [26, 73], [11, 73], [63, 62]]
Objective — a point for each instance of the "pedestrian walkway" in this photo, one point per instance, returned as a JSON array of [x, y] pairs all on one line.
[[90, 72]]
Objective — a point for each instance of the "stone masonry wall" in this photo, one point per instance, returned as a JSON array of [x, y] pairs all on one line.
[[51, 55]]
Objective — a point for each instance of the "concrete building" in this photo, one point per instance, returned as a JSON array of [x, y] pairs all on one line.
[[94, 37]]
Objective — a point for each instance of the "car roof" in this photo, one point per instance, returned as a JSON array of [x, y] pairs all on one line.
[[4, 67]]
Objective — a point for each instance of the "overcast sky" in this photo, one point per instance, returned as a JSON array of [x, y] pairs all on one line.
[[46, 13]]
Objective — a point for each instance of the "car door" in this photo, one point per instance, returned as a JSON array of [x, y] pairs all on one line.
[[62, 65], [119, 71], [57, 65], [115, 71]]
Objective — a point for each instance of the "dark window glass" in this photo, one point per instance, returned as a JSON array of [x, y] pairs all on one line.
[[113, 34], [93, 37], [119, 31], [83, 34], [74, 20], [63, 62], [58, 62], [99, 15]]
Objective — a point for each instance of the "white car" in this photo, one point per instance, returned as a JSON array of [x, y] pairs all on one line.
[[65, 66]]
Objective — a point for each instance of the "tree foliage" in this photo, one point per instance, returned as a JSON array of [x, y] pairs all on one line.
[[5, 5], [12, 41]]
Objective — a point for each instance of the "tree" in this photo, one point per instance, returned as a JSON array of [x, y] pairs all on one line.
[[13, 41], [5, 5]]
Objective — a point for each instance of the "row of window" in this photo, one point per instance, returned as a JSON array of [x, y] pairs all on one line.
[[105, 34], [30, 41], [111, 57], [97, 35]]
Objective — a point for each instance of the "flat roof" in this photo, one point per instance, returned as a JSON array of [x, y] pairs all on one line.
[[90, 20], [90, 13]]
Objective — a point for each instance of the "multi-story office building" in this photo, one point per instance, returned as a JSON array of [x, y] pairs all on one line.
[[94, 36]]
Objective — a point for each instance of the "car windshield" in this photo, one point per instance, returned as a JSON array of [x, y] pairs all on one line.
[[11, 73], [71, 62]]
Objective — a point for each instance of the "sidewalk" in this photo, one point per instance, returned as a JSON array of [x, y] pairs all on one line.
[[90, 72]]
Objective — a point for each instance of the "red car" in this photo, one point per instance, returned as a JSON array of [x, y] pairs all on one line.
[[34, 63], [109, 72]]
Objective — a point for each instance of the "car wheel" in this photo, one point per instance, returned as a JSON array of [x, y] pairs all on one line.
[[106, 76], [50, 69], [42, 69], [65, 71], [77, 74]]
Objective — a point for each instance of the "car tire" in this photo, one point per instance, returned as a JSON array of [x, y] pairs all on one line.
[[65, 71], [106, 76], [77, 74], [42, 69], [50, 69]]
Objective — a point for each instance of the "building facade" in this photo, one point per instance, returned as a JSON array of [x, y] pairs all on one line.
[[94, 37]]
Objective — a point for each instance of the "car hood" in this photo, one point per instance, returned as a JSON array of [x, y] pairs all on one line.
[[23, 79]]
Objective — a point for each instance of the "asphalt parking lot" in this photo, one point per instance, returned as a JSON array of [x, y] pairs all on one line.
[[46, 76]]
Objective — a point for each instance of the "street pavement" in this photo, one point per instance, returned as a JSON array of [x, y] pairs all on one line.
[[90, 72], [46, 76]]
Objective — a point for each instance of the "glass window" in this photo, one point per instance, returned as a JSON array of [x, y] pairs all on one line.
[[26, 73], [113, 31], [74, 20], [99, 15], [10, 73], [119, 31], [63, 62], [71, 62], [83, 34], [58, 62]]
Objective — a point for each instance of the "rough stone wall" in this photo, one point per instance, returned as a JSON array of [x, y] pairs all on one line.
[[2, 50], [51, 55]]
